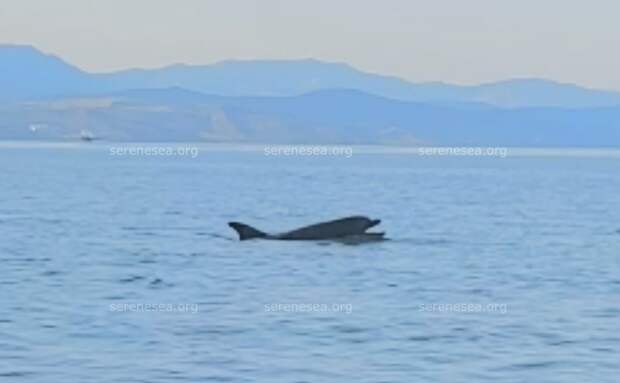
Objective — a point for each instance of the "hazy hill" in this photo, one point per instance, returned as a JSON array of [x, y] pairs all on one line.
[[301, 101], [27, 73], [330, 116]]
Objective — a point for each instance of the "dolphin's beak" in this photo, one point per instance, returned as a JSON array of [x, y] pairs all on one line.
[[374, 223]]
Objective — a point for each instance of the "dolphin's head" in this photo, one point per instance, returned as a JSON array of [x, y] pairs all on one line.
[[373, 223], [364, 223]]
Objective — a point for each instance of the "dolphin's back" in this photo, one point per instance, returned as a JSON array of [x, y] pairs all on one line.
[[332, 229], [353, 228]]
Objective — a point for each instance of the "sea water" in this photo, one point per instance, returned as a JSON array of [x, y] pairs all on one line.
[[121, 268]]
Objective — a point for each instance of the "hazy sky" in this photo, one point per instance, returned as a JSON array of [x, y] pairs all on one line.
[[459, 41]]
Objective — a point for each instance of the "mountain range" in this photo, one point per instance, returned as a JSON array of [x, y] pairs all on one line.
[[292, 101]]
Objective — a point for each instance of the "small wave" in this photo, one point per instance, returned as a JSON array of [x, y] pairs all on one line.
[[562, 342], [422, 338], [173, 212], [132, 278], [348, 329], [215, 235], [159, 228], [33, 259], [423, 242], [603, 349], [530, 365], [430, 338], [157, 283], [15, 374], [50, 273]]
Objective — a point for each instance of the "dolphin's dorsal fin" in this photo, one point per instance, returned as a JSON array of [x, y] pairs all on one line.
[[246, 231]]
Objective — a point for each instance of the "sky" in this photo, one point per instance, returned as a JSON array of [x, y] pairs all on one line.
[[456, 41]]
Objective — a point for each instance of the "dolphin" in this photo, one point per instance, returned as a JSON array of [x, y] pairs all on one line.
[[349, 230]]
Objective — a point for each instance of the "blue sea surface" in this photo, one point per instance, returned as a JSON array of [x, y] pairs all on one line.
[[122, 268]]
